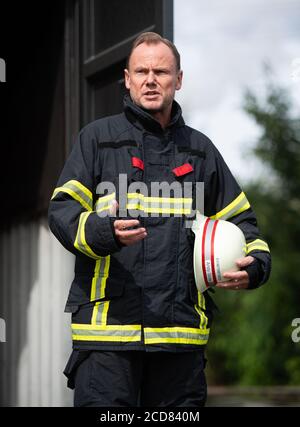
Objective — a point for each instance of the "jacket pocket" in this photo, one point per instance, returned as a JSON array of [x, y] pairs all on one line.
[[85, 290], [76, 358]]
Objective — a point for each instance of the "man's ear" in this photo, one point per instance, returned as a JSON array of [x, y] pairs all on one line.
[[179, 80], [127, 79]]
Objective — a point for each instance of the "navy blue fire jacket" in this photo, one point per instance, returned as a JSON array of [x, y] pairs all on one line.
[[144, 296]]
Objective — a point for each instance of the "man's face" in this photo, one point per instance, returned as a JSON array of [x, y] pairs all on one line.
[[152, 77]]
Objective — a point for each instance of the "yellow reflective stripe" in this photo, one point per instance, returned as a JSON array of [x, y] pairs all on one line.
[[150, 200], [135, 196], [257, 248], [95, 278], [73, 183], [100, 310], [258, 242], [257, 245], [80, 240], [104, 312], [200, 310], [84, 189], [115, 333], [78, 191], [232, 205], [201, 300], [137, 201], [196, 341], [158, 210], [168, 200], [95, 313], [115, 338], [106, 198], [239, 205], [176, 335], [171, 329], [88, 327], [57, 190], [103, 281], [74, 195], [237, 212], [104, 208], [100, 277], [105, 202]]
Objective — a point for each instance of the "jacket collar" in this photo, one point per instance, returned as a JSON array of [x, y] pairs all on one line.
[[143, 120]]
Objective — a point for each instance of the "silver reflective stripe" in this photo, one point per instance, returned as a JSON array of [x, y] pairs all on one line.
[[134, 204], [257, 244], [100, 310], [235, 209], [176, 335], [240, 204], [100, 281], [105, 207], [160, 207], [110, 333], [159, 210], [105, 202], [179, 335], [107, 332], [78, 192], [80, 240]]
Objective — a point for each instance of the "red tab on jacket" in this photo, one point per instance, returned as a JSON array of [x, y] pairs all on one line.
[[137, 163], [183, 170]]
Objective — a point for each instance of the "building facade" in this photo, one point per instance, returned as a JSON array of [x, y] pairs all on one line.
[[64, 70]]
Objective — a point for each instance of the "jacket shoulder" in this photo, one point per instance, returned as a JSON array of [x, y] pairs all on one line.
[[107, 128], [199, 141]]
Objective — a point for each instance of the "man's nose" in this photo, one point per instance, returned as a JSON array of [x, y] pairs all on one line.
[[150, 78]]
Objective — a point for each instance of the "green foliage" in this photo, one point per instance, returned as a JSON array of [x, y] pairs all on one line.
[[251, 342]]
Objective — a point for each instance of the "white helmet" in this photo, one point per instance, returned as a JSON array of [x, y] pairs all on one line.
[[218, 244]]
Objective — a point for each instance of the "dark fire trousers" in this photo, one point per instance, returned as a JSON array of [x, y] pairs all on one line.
[[137, 378]]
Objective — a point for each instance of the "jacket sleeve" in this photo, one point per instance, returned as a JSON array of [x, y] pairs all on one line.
[[225, 200], [71, 215]]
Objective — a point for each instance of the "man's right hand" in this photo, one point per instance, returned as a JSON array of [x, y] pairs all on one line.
[[129, 237], [121, 226]]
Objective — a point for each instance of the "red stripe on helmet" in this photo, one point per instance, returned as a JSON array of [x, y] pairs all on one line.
[[203, 252], [212, 252]]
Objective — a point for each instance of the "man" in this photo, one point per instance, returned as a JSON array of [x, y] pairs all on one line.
[[139, 324]]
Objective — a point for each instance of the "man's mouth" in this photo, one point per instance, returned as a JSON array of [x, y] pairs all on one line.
[[151, 93]]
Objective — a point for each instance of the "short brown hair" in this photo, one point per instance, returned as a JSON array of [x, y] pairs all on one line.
[[154, 38]]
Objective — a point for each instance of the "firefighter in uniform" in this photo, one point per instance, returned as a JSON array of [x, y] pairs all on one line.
[[139, 325]]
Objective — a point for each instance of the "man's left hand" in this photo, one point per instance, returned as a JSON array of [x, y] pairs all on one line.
[[237, 280]]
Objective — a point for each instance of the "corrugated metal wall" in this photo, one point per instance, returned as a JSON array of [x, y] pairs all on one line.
[[35, 272]]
